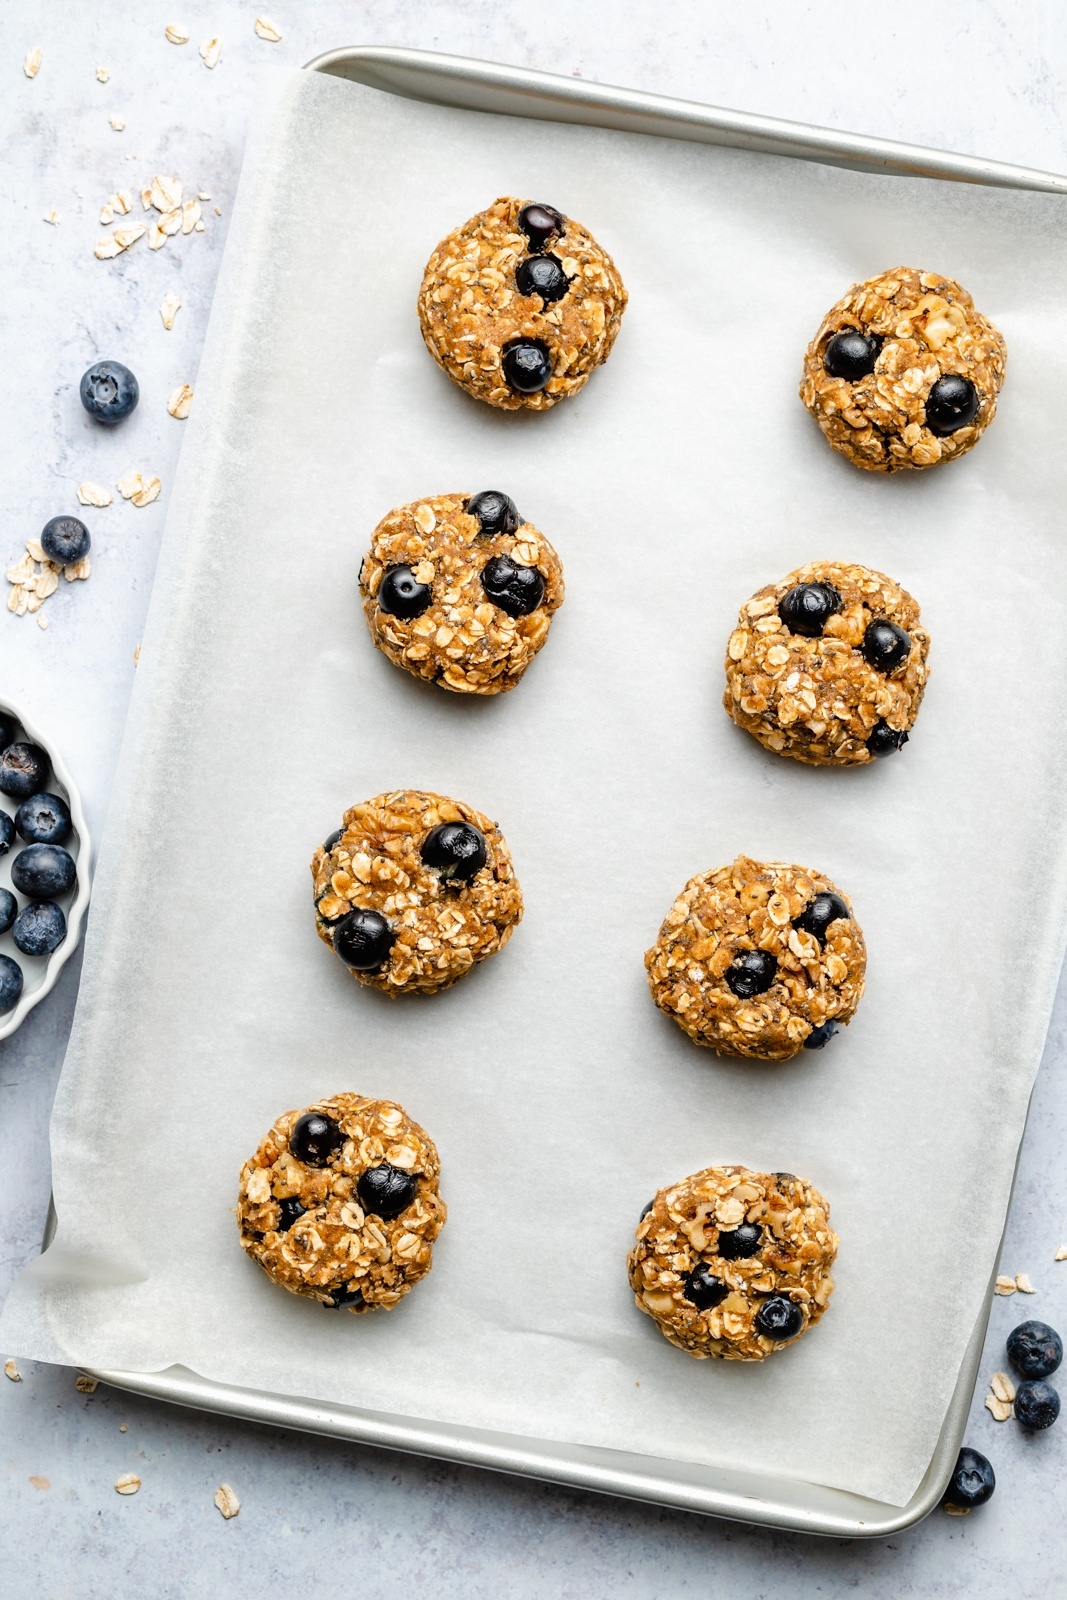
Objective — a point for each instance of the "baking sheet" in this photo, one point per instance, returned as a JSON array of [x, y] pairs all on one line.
[[682, 478]]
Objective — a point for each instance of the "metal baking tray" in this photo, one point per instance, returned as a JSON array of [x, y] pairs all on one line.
[[739, 1496]]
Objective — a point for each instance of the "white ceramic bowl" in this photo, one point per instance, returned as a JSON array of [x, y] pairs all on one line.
[[39, 974]]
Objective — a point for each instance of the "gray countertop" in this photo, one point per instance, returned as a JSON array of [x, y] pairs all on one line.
[[989, 81]]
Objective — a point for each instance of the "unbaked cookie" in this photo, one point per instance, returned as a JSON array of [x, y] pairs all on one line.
[[340, 1202], [460, 590], [759, 959], [413, 889], [520, 304], [734, 1263], [904, 372], [829, 665]]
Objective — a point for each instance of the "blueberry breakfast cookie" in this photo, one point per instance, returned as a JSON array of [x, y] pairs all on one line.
[[413, 889], [340, 1203], [904, 372], [829, 665], [520, 304], [759, 959], [733, 1263], [459, 590]]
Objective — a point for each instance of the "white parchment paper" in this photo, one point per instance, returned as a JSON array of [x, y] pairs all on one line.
[[684, 476]]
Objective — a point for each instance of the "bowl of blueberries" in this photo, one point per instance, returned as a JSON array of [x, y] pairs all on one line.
[[44, 867]]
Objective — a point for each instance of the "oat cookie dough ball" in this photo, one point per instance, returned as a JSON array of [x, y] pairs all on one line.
[[460, 590], [904, 372], [413, 889], [759, 959], [733, 1263], [520, 304], [828, 666], [340, 1203]]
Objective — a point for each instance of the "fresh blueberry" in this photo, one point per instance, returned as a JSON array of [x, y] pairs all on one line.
[[39, 928], [851, 354], [527, 365], [10, 984], [333, 841], [542, 276], [24, 770], [740, 1243], [66, 540], [402, 595], [291, 1211], [455, 849], [8, 729], [952, 403], [972, 1481], [346, 1295], [807, 607], [363, 940], [751, 973], [816, 918], [779, 1318], [109, 391], [516, 590], [885, 646], [1034, 1349], [496, 511], [9, 907], [703, 1288], [1037, 1405], [7, 833], [386, 1191], [43, 819], [46, 871], [884, 740], [645, 1210], [540, 224], [315, 1138], [820, 1037]]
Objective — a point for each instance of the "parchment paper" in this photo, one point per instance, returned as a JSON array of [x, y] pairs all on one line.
[[683, 477]]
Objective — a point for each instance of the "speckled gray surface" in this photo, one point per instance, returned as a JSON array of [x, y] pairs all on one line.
[[989, 81]]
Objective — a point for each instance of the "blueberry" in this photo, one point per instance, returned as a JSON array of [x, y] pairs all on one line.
[[45, 871], [346, 1295], [24, 770], [779, 1318], [527, 365], [884, 740], [951, 404], [1037, 1405], [645, 1210], [816, 918], [807, 607], [972, 1481], [333, 841], [7, 833], [401, 594], [1034, 1349], [542, 276], [751, 973], [851, 354], [315, 1138], [8, 909], [820, 1037], [386, 1191], [66, 540], [109, 391], [10, 984], [8, 729], [516, 590], [740, 1243], [540, 224], [703, 1288], [39, 928], [455, 849], [43, 819], [363, 940], [291, 1211], [885, 646], [496, 511]]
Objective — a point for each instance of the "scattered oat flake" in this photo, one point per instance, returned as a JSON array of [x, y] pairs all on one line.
[[1002, 1386], [92, 494], [35, 548], [198, 227], [102, 74], [41, 1483], [142, 491], [129, 1483], [169, 309], [1023, 1284], [190, 215], [218, 211], [1004, 1285], [83, 1384], [226, 1501], [156, 237], [118, 124], [210, 51], [164, 193], [53, 218], [265, 29], [122, 1425], [180, 401], [176, 35], [999, 1410], [42, 620], [106, 214], [1061, 1253], [32, 64], [11, 1371], [136, 662], [203, 195]]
